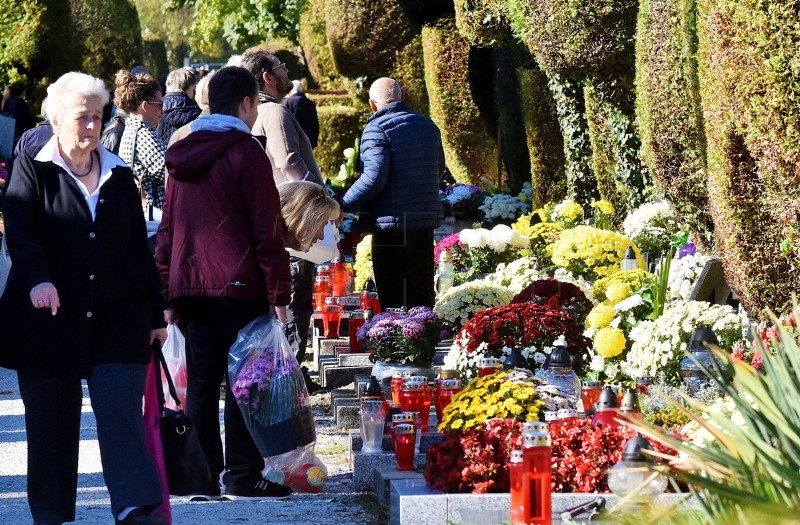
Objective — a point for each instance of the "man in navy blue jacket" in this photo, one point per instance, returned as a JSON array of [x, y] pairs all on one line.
[[397, 196]]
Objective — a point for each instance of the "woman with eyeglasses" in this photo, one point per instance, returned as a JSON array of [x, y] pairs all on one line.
[[139, 96]]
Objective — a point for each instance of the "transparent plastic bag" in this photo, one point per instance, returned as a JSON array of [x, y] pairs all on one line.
[[300, 469], [269, 388], [174, 351]]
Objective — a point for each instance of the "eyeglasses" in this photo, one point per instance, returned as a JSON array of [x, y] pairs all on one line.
[[156, 102], [282, 65]]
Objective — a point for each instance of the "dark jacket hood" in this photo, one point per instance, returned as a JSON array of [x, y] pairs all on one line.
[[190, 159]]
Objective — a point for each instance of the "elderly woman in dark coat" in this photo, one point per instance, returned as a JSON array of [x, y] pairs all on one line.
[[82, 301]]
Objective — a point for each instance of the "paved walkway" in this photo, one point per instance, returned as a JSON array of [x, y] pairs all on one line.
[[336, 504]]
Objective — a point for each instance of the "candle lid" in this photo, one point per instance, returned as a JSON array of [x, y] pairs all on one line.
[[592, 384], [450, 384], [411, 385], [608, 399], [565, 413], [449, 374], [645, 380], [490, 361], [403, 416], [535, 439], [630, 402], [419, 379], [551, 415], [535, 426], [372, 403], [331, 300], [405, 428], [516, 456]]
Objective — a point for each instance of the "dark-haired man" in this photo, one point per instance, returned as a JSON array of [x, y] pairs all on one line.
[[289, 150], [221, 255]]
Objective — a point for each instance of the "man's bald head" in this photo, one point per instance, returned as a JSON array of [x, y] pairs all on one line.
[[383, 91]]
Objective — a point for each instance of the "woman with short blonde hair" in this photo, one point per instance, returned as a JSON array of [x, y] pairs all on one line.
[[306, 208]]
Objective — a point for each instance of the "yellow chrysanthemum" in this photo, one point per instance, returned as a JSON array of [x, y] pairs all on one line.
[[600, 316], [604, 206], [635, 279], [363, 263], [570, 211], [609, 342], [617, 291]]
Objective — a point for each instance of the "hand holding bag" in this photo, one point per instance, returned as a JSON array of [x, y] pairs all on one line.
[[174, 351], [187, 468]]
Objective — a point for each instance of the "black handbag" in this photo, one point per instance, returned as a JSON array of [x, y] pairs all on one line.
[[186, 465]]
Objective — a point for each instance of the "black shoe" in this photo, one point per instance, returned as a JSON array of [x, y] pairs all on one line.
[[262, 490], [140, 517]]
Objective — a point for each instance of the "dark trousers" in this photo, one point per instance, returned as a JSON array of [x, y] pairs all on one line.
[[211, 328], [52, 423], [300, 310], [402, 261]]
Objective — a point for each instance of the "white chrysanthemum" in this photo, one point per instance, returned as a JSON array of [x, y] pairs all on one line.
[[629, 303], [642, 218], [474, 238], [502, 237], [683, 274], [458, 304], [457, 194], [502, 206]]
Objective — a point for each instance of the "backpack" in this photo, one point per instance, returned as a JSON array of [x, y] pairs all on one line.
[[112, 135]]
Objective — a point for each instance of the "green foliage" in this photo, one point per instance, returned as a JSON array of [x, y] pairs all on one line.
[[364, 39], [576, 38], [668, 110], [168, 25], [483, 23], [108, 36], [36, 44], [426, 11], [749, 84], [507, 101], [314, 43], [409, 71], [753, 459], [570, 107], [339, 125], [470, 151], [154, 56], [243, 23], [546, 146], [621, 177]]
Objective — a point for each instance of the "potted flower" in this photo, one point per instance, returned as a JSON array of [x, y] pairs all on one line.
[[569, 296], [463, 201], [401, 340], [458, 304], [486, 249], [591, 252]]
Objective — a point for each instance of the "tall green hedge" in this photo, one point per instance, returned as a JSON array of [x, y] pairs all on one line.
[[364, 36], [36, 45], [469, 149], [339, 125], [314, 43], [154, 56], [749, 85], [576, 38], [484, 22], [669, 112], [108, 35], [544, 139], [511, 128], [409, 71]]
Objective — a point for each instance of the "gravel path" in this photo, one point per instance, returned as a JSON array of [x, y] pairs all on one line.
[[336, 503]]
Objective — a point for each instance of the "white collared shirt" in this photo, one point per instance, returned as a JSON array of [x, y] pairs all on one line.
[[108, 161]]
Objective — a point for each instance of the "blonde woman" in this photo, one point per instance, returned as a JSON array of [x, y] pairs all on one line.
[[306, 208]]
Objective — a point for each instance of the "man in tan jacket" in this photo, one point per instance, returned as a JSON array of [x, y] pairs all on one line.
[[291, 156], [287, 146]]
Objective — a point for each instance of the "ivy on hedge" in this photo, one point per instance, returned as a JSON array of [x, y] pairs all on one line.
[[341, 120]]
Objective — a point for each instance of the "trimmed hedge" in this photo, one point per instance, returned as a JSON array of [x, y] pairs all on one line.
[[669, 112], [545, 143], [576, 39], [469, 149], [108, 36], [154, 57], [365, 36], [749, 86], [426, 11], [36, 45], [484, 23], [507, 103], [314, 43], [409, 72], [339, 125]]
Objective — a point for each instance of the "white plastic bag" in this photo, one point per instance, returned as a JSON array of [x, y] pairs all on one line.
[[174, 351], [300, 469]]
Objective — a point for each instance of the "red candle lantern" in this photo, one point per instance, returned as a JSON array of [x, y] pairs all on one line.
[[331, 316], [488, 366], [536, 457], [322, 290], [606, 412], [411, 397], [308, 478], [516, 470], [425, 406], [400, 419], [643, 384], [397, 384], [357, 320], [404, 438], [567, 414], [339, 277], [450, 387], [590, 393], [437, 391]]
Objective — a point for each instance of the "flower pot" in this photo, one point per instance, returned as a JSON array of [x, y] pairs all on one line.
[[384, 370]]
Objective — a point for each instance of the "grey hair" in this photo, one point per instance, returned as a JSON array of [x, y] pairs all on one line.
[[298, 86], [201, 92], [234, 60], [181, 79], [385, 90], [70, 85]]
